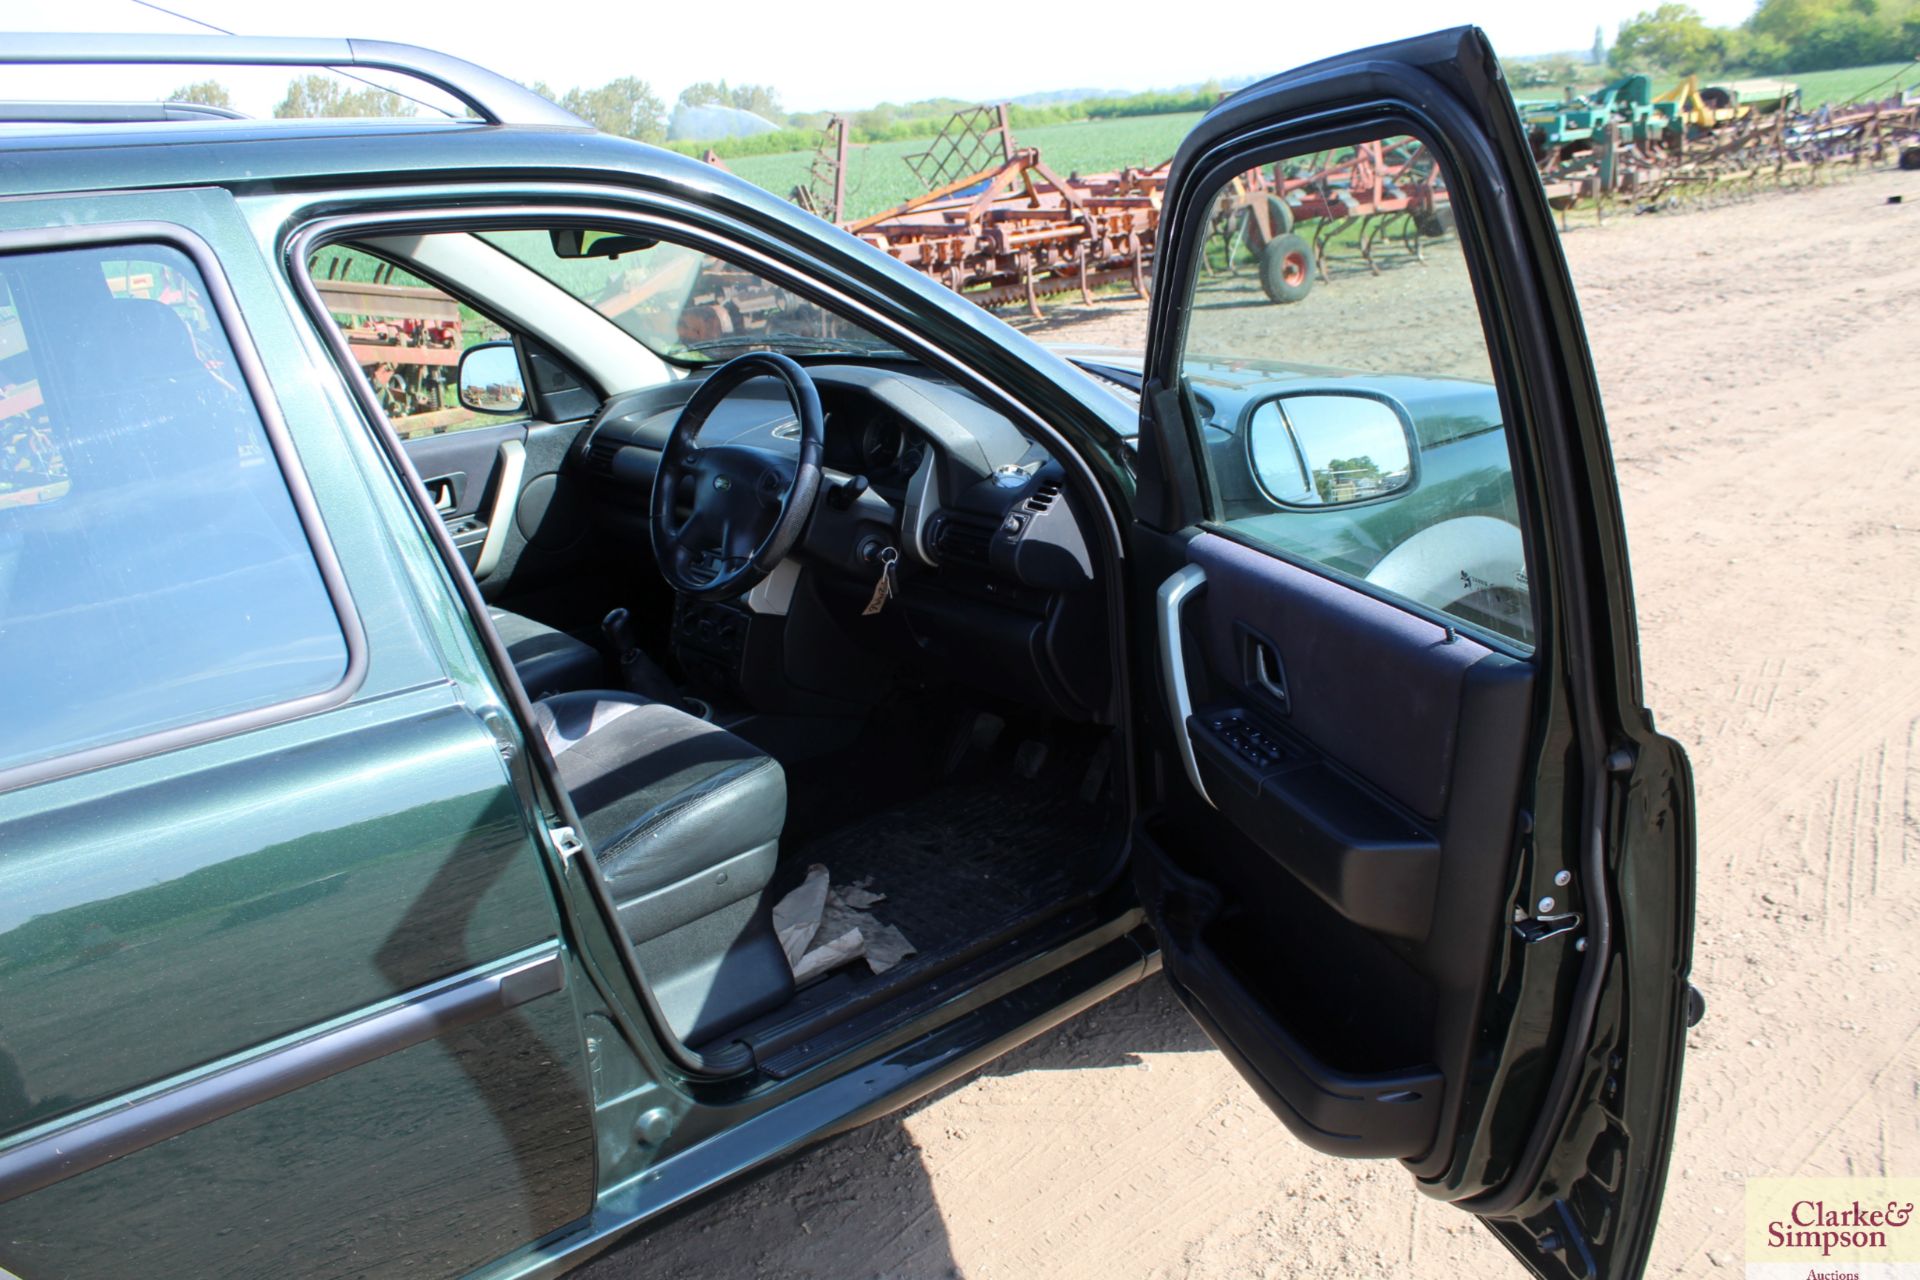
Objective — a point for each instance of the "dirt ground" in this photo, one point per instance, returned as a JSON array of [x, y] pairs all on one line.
[[1757, 365]]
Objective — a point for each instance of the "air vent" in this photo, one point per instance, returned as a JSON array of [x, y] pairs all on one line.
[[1042, 498], [600, 453], [962, 540]]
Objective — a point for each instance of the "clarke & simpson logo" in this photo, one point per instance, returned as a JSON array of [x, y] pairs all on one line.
[[1833, 1229]]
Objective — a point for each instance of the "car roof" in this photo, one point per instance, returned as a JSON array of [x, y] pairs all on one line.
[[46, 158]]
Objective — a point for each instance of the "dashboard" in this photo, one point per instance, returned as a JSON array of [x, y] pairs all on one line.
[[866, 438], [996, 579]]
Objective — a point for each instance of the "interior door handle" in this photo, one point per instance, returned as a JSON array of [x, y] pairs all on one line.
[[1172, 595], [1268, 675]]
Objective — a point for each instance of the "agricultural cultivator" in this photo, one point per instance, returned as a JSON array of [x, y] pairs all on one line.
[[405, 338], [1356, 204], [999, 226], [1623, 142]]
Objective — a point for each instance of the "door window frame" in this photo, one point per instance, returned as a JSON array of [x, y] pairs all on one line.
[[219, 293], [786, 260], [1326, 130]]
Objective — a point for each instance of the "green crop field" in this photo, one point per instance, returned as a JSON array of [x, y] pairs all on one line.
[[1850, 83]]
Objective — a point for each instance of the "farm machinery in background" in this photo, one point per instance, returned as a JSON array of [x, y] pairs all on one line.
[[407, 339], [998, 226], [1624, 141]]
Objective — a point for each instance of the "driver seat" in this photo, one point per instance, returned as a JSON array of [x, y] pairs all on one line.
[[684, 820]]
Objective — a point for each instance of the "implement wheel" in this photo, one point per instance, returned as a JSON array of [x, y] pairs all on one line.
[[1279, 216], [1286, 269]]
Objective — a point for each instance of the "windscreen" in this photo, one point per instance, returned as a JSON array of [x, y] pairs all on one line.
[[687, 305]]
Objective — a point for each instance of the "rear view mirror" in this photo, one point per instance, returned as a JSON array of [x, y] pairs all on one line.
[[490, 379], [1329, 448], [574, 242]]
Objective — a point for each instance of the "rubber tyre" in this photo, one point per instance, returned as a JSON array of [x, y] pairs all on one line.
[[1279, 212], [1286, 269], [1437, 222]]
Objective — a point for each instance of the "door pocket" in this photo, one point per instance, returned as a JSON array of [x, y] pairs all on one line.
[[1342, 1090]]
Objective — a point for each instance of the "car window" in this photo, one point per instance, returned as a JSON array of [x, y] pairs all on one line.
[[1335, 362], [406, 334], [153, 570], [681, 303]]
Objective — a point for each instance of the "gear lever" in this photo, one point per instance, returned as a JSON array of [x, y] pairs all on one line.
[[638, 673]]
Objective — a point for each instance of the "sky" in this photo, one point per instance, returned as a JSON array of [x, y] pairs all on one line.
[[821, 55]]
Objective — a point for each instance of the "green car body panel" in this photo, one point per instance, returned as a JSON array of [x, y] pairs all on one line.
[[167, 917]]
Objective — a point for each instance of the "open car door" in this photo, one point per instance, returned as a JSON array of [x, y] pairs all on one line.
[[1416, 858]]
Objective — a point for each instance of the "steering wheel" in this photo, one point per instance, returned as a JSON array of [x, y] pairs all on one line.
[[722, 518]]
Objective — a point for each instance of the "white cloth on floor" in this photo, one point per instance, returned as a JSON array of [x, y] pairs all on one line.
[[819, 910]]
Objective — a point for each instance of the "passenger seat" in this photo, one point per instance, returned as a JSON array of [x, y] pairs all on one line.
[[547, 661]]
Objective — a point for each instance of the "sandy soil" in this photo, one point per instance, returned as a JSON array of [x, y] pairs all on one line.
[[1756, 360]]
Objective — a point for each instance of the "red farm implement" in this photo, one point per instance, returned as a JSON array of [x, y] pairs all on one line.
[[407, 340], [999, 226]]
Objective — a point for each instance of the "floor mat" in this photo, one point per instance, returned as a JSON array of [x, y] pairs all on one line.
[[963, 862], [964, 868]]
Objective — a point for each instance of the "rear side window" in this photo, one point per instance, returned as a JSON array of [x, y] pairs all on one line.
[[153, 570]]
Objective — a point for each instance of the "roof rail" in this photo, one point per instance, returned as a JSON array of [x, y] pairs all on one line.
[[493, 97], [111, 112]]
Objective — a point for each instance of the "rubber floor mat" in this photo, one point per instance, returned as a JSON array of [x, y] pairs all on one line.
[[964, 862]]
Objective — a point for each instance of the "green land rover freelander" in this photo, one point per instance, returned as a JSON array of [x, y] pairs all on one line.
[[459, 579]]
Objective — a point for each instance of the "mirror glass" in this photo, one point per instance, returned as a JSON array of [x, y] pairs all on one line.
[[490, 379], [1319, 449]]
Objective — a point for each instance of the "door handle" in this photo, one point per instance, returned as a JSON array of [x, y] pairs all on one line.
[[1268, 674]]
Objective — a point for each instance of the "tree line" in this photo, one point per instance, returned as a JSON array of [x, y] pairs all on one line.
[[630, 108], [1781, 36], [627, 107]]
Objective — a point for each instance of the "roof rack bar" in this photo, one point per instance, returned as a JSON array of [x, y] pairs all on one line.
[[493, 97], [111, 112]]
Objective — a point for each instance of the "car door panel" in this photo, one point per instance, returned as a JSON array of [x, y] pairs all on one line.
[[1403, 828], [1386, 838], [511, 505]]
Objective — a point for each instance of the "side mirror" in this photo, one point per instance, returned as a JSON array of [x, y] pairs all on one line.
[[490, 379], [1329, 448]]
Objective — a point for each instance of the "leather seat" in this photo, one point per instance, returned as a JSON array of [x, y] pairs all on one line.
[[547, 661], [684, 821]]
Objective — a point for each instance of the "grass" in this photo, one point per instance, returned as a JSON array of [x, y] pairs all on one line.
[[1851, 83]]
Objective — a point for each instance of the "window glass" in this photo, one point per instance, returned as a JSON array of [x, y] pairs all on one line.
[[153, 572], [1336, 363], [406, 335], [681, 303]]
